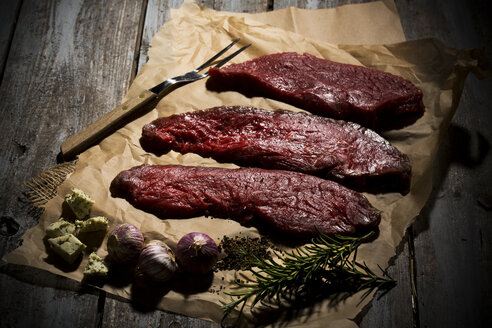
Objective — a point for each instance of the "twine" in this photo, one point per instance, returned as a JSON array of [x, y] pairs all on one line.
[[43, 188]]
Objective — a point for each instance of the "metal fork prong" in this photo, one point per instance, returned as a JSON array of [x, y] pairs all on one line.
[[211, 60], [168, 85], [225, 60]]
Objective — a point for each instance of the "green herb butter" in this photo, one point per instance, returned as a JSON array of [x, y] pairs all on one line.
[[67, 246], [79, 202], [97, 223], [60, 228], [95, 266]]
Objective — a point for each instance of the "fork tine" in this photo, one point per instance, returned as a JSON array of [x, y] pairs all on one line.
[[225, 60], [208, 62], [191, 76]]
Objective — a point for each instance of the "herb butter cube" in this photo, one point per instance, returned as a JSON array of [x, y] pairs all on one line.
[[79, 202], [95, 266], [97, 223], [67, 246], [60, 228]]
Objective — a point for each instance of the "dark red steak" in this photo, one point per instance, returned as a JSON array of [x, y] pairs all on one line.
[[290, 202], [346, 152], [374, 99]]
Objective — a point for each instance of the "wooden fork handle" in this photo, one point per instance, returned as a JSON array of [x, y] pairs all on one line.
[[106, 125]]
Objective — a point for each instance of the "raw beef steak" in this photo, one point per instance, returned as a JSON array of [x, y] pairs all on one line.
[[290, 202], [374, 99], [346, 152]]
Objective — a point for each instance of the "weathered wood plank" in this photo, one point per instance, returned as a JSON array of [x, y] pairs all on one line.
[[452, 243], [69, 62], [393, 308], [8, 18], [314, 4], [62, 74], [34, 298], [157, 14], [118, 314], [246, 6]]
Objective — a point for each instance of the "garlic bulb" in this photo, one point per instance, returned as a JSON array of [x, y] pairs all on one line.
[[197, 253], [125, 243], [156, 262]]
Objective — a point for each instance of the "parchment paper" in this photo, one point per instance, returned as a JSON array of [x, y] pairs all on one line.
[[366, 23], [186, 41]]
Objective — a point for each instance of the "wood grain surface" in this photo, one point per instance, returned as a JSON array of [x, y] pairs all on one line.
[[66, 63]]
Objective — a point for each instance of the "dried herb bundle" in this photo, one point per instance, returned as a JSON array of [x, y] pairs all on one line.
[[297, 278]]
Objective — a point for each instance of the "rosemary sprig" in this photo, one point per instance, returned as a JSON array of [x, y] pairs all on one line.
[[325, 267]]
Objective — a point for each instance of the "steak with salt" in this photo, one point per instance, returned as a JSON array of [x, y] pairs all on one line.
[[290, 202], [346, 152], [374, 99]]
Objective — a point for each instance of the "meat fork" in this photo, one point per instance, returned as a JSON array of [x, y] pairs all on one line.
[[134, 107]]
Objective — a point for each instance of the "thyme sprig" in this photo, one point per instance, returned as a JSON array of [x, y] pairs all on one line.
[[323, 268]]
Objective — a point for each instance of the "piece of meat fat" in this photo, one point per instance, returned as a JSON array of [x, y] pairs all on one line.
[[289, 202], [374, 99], [342, 151]]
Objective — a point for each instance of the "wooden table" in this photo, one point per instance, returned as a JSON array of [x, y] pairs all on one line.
[[65, 63]]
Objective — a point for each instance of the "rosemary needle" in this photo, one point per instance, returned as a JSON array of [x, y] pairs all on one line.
[[307, 273]]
